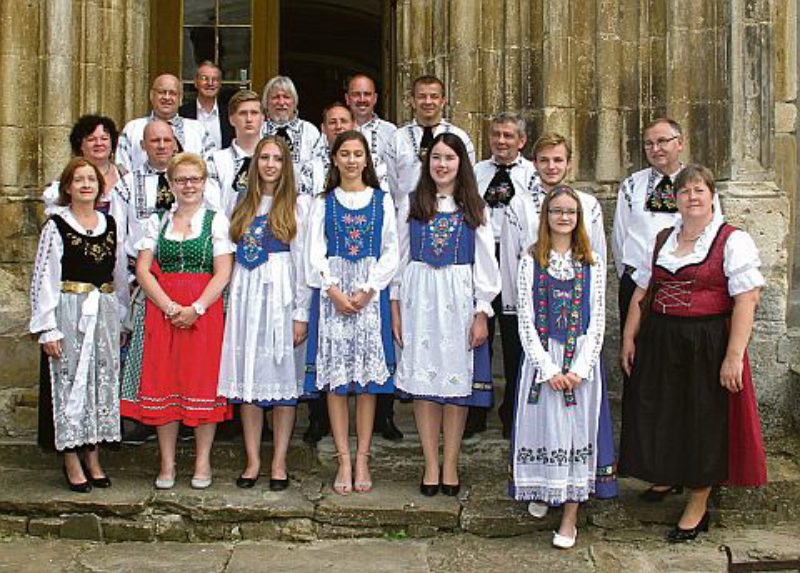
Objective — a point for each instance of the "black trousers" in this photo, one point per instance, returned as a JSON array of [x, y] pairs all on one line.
[[624, 295]]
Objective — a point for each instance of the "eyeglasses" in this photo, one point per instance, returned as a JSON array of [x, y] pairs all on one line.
[[559, 212], [208, 79], [183, 181], [659, 143]]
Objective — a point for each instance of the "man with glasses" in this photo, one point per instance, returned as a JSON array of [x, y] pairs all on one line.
[[206, 108], [190, 135], [645, 205]]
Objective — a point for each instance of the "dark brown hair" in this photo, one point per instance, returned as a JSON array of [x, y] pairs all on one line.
[[368, 176], [68, 175], [85, 127], [692, 172], [579, 243], [465, 192]]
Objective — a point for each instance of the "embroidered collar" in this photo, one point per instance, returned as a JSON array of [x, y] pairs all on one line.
[[561, 266], [517, 161]]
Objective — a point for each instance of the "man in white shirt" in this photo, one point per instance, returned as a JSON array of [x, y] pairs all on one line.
[[280, 101], [206, 108], [190, 135], [552, 158], [336, 118], [361, 98], [645, 205], [502, 177], [411, 141], [229, 167]]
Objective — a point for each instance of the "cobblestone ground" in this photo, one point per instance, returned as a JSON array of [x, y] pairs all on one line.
[[597, 550]]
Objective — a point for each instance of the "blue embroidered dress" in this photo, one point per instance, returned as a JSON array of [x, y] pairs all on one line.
[[267, 294], [352, 243], [450, 274], [556, 450]]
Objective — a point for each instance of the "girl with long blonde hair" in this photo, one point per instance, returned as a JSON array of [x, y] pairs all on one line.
[[268, 308]]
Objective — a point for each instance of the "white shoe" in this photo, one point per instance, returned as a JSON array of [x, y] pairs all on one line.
[[537, 509], [166, 483], [201, 483], [564, 542]]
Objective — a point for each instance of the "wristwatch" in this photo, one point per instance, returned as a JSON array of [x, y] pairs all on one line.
[[198, 308]]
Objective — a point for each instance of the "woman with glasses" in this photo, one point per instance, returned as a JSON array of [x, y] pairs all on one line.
[[183, 265], [561, 313]]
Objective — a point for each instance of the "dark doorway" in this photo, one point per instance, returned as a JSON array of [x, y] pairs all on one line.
[[323, 42]]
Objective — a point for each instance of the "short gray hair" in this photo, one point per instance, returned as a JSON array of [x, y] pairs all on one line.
[[510, 117], [283, 83]]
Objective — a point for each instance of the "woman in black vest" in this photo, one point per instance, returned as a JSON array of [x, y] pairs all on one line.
[[78, 298]]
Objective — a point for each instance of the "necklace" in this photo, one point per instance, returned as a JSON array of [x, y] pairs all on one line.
[[689, 239]]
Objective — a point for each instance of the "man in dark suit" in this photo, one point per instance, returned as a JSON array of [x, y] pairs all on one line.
[[214, 117]]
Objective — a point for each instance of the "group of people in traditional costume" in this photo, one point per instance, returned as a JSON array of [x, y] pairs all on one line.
[[374, 261]]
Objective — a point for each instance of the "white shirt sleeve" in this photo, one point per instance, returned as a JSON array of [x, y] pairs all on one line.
[[597, 234], [385, 268], [212, 197], [124, 153], [589, 345], [121, 277], [149, 236], [741, 264], [535, 353], [221, 235], [46, 284], [619, 230], [404, 245], [510, 253], [485, 272], [318, 271], [50, 196], [302, 293]]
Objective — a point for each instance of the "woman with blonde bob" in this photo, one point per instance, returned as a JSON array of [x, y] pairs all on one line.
[[183, 265], [267, 316], [561, 312]]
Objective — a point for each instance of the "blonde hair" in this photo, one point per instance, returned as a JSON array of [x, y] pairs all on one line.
[[186, 158], [581, 248], [282, 218]]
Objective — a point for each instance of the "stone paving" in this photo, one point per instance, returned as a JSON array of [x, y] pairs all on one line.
[[597, 550]]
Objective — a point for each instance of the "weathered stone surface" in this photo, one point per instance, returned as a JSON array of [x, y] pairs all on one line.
[[35, 555], [128, 530], [381, 556], [170, 527], [45, 526], [167, 557], [293, 530], [13, 525], [82, 526], [389, 504]]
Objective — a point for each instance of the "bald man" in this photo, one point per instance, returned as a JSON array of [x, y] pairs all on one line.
[[165, 97]]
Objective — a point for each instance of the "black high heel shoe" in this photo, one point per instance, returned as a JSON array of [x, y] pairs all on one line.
[[428, 489], [245, 482], [652, 495], [102, 482], [679, 535], [450, 490], [84, 487], [276, 484]]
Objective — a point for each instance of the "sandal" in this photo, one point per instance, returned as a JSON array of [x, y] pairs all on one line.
[[363, 486], [342, 487]]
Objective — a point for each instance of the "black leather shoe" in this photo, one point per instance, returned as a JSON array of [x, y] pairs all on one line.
[[102, 482], [314, 433], [246, 483], [278, 484], [83, 487], [451, 490], [679, 535], [428, 490], [390, 431], [652, 495], [475, 424], [506, 432]]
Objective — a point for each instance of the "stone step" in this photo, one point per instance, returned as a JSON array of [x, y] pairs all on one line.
[[34, 500]]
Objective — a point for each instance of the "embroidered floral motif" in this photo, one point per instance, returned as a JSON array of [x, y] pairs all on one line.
[[555, 457], [97, 251], [441, 229], [252, 241], [357, 228]]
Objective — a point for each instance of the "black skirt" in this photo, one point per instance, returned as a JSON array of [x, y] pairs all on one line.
[[46, 437], [674, 410]]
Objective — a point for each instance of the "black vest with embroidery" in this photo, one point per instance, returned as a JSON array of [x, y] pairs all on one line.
[[87, 258]]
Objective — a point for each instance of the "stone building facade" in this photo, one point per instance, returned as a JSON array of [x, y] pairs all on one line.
[[596, 71]]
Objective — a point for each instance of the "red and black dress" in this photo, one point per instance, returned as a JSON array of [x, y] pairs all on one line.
[[680, 425], [180, 367]]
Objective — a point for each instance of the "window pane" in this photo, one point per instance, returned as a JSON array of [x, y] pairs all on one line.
[[198, 45], [198, 12], [234, 11], [234, 52]]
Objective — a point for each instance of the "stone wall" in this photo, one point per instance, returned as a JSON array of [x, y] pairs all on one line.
[[599, 71], [58, 60]]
